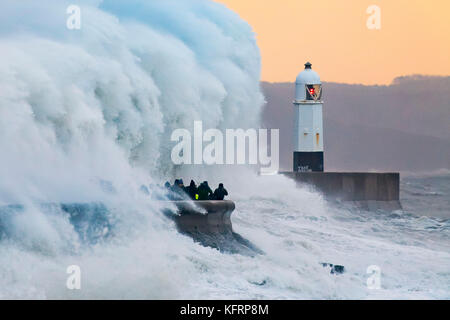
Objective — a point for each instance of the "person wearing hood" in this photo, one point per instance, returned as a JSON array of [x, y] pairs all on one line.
[[220, 192], [192, 190], [178, 190], [204, 191]]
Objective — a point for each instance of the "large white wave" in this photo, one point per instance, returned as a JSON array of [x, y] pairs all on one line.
[[102, 101]]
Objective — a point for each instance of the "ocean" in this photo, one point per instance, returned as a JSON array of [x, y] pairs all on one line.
[[142, 256]]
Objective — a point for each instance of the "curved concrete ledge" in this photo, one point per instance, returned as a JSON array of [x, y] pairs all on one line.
[[207, 217], [209, 223]]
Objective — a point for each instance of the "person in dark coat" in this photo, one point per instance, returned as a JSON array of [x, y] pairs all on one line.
[[220, 192], [175, 185], [178, 190], [204, 191], [192, 190]]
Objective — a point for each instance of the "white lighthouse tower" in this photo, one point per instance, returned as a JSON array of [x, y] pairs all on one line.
[[308, 129]]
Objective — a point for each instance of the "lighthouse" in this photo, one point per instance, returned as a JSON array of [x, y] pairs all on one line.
[[368, 190], [308, 128]]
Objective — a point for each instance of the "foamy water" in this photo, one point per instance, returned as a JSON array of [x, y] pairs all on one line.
[[296, 229]]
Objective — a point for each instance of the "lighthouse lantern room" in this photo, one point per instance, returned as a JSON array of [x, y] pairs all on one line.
[[308, 129]]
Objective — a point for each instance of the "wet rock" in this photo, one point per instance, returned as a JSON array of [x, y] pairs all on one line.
[[334, 268]]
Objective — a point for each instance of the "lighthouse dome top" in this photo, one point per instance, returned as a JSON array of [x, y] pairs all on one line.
[[308, 86], [308, 76]]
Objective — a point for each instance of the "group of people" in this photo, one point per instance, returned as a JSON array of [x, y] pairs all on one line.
[[202, 192]]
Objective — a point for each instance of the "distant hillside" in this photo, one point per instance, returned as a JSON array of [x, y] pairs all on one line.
[[404, 126]]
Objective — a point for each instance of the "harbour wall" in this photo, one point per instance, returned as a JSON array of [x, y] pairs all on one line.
[[368, 190]]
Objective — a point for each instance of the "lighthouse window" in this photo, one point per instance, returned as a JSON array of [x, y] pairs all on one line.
[[313, 92]]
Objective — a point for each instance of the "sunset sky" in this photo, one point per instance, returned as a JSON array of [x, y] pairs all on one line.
[[332, 34]]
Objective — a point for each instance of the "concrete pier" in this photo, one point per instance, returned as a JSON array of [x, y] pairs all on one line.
[[207, 217], [369, 190], [209, 223]]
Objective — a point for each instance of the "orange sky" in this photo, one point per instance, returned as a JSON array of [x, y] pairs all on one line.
[[332, 34]]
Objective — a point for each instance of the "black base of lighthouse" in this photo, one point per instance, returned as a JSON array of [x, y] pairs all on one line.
[[308, 161]]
